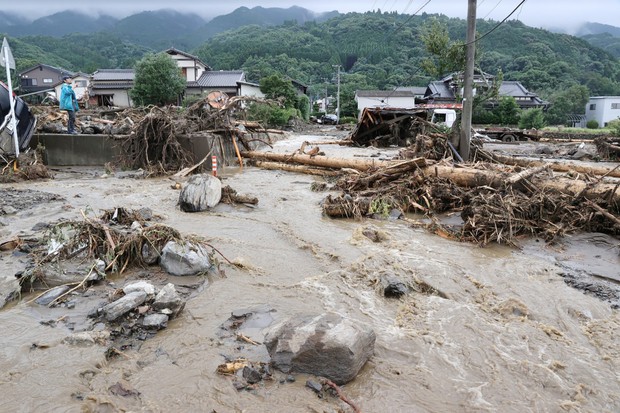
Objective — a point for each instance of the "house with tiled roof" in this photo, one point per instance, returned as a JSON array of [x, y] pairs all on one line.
[[447, 89], [221, 80], [110, 87], [192, 68], [37, 80]]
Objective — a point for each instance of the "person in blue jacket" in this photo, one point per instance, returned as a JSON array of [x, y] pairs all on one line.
[[69, 102]]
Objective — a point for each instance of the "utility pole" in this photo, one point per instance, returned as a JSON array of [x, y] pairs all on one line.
[[338, 94], [468, 92]]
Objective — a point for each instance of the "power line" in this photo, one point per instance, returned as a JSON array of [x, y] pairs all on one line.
[[493, 9], [498, 24]]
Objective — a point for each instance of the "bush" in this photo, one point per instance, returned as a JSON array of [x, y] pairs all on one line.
[[592, 124], [614, 125], [532, 119], [271, 116], [348, 119]]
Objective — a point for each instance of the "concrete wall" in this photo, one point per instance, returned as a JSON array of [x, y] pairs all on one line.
[[76, 150], [97, 150]]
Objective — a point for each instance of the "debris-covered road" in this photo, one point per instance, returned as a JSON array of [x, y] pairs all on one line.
[[476, 329]]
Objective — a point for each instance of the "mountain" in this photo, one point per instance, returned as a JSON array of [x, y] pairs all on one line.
[[9, 20], [60, 24], [157, 29], [597, 28], [260, 16]]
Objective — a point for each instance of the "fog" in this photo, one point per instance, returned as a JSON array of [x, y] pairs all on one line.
[[567, 14]]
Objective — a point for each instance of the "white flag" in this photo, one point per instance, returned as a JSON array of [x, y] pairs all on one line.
[[6, 55]]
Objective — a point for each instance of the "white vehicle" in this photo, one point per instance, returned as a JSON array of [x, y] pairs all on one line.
[[444, 117]]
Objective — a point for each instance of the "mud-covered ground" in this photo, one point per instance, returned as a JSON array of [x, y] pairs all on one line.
[[481, 329]]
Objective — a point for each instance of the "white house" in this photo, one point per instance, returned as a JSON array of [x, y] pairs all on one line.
[[80, 85], [603, 109], [401, 99], [191, 66]]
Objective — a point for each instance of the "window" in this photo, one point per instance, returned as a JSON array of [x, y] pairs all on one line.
[[33, 82], [48, 80], [593, 106], [615, 105]]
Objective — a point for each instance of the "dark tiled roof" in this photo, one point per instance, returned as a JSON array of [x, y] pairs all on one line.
[[222, 78], [54, 68], [417, 90]]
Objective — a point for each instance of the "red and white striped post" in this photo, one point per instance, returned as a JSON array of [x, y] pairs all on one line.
[[214, 165]]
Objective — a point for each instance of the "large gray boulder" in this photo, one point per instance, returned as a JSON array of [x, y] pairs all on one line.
[[326, 345], [185, 259], [201, 192]]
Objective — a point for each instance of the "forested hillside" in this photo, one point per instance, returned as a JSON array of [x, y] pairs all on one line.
[[384, 51], [374, 51]]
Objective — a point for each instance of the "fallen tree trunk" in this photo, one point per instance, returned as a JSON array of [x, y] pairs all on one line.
[[358, 164], [470, 177], [555, 166], [305, 169]]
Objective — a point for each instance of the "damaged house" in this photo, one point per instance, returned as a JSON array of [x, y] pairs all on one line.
[[450, 87]]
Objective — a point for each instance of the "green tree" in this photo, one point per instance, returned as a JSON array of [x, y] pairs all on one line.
[[532, 119], [507, 112], [158, 81], [570, 101], [445, 56], [278, 88]]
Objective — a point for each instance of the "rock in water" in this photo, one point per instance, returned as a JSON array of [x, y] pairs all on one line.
[[185, 259], [327, 345], [200, 193]]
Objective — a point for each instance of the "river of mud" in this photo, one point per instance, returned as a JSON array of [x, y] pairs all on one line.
[[492, 329]]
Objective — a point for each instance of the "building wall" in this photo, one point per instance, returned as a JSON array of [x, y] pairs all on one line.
[[44, 78], [249, 90], [80, 86], [191, 68], [385, 102], [603, 109]]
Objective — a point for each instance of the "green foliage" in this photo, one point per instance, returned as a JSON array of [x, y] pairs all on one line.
[[303, 105], [564, 102], [158, 81], [614, 125], [507, 112], [445, 56], [532, 119], [278, 88], [347, 119], [270, 115], [592, 124]]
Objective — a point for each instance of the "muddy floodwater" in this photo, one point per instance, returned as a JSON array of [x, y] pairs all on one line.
[[494, 329]]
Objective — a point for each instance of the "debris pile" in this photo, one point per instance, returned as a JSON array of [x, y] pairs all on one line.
[[496, 202]]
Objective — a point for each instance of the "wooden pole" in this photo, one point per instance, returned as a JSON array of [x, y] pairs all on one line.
[[468, 93]]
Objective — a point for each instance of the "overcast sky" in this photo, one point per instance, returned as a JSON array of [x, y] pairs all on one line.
[[537, 13]]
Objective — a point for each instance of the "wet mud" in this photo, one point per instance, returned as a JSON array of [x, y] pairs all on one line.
[[497, 329]]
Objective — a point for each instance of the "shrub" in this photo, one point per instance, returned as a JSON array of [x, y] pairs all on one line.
[[532, 119], [592, 124], [614, 125], [272, 116], [348, 119]]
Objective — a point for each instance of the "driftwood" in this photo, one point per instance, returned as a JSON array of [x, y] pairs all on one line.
[[305, 169], [470, 177], [360, 165], [525, 174], [554, 166]]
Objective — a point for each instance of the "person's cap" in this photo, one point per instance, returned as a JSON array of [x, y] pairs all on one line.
[[65, 78]]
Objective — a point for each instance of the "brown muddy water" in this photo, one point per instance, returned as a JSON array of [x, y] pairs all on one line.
[[492, 329]]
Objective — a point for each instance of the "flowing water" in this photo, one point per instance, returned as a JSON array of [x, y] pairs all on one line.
[[492, 329]]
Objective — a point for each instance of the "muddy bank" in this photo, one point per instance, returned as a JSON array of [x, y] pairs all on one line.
[[479, 329]]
